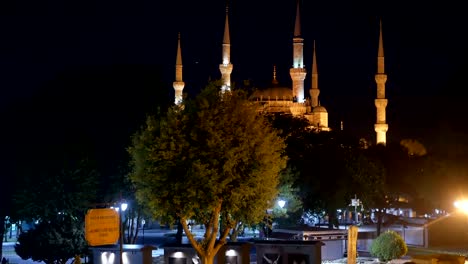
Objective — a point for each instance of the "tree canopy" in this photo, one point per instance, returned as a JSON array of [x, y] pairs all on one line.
[[331, 167], [213, 155], [55, 202]]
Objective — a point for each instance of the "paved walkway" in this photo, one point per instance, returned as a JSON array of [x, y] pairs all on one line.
[[158, 237], [10, 254]]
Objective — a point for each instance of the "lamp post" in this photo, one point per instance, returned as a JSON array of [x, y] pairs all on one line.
[[123, 206], [356, 202]]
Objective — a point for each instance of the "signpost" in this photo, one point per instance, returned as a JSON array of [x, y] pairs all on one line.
[[352, 244], [102, 227]]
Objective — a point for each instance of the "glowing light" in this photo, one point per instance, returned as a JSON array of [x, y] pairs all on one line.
[[461, 205], [230, 253], [107, 257], [125, 259], [124, 206], [178, 254], [281, 203]]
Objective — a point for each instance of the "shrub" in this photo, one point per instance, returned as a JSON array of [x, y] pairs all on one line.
[[387, 246]]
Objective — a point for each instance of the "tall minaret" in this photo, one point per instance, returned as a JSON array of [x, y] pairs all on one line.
[[178, 84], [226, 67], [298, 72], [381, 126], [314, 91]]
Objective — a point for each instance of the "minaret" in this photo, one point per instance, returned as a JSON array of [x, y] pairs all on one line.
[[178, 84], [381, 127], [298, 72], [314, 91], [274, 82], [226, 67]]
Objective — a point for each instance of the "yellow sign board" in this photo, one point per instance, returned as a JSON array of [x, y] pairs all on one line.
[[102, 227]]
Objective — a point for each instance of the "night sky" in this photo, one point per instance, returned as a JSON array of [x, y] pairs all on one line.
[[83, 74]]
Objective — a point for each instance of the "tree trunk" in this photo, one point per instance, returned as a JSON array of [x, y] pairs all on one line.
[[379, 220], [207, 259], [209, 246], [179, 233], [132, 224], [235, 232], [332, 219], [138, 225]]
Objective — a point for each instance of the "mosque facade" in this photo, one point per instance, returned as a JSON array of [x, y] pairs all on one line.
[[295, 100]]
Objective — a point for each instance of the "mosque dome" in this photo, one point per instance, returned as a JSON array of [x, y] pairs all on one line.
[[319, 109]]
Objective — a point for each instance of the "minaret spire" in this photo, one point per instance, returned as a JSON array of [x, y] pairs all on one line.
[[297, 25], [178, 84], [226, 37], [314, 91], [381, 126], [297, 72], [226, 67]]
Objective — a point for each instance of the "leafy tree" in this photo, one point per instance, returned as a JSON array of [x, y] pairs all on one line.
[[71, 191], [291, 213], [57, 202], [53, 241], [215, 155], [331, 166], [119, 188], [404, 166], [329, 173]]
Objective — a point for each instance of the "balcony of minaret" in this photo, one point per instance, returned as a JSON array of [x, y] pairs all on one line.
[[381, 128], [380, 78], [225, 68], [178, 88], [381, 103], [314, 94], [298, 75]]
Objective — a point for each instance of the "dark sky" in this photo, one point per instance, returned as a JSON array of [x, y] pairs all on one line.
[[86, 72]]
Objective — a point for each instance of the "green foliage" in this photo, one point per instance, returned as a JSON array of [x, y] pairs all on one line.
[[331, 168], [70, 191], [291, 213], [58, 201], [215, 149], [388, 245], [54, 241]]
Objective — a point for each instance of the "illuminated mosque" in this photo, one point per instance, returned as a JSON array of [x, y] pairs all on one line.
[[294, 100]]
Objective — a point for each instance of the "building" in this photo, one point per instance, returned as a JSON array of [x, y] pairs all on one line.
[[295, 100]]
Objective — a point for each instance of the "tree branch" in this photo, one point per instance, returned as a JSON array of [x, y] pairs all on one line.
[[190, 237]]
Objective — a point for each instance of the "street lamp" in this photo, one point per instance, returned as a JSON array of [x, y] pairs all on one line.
[[462, 205], [356, 202], [281, 203], [123, 206]]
